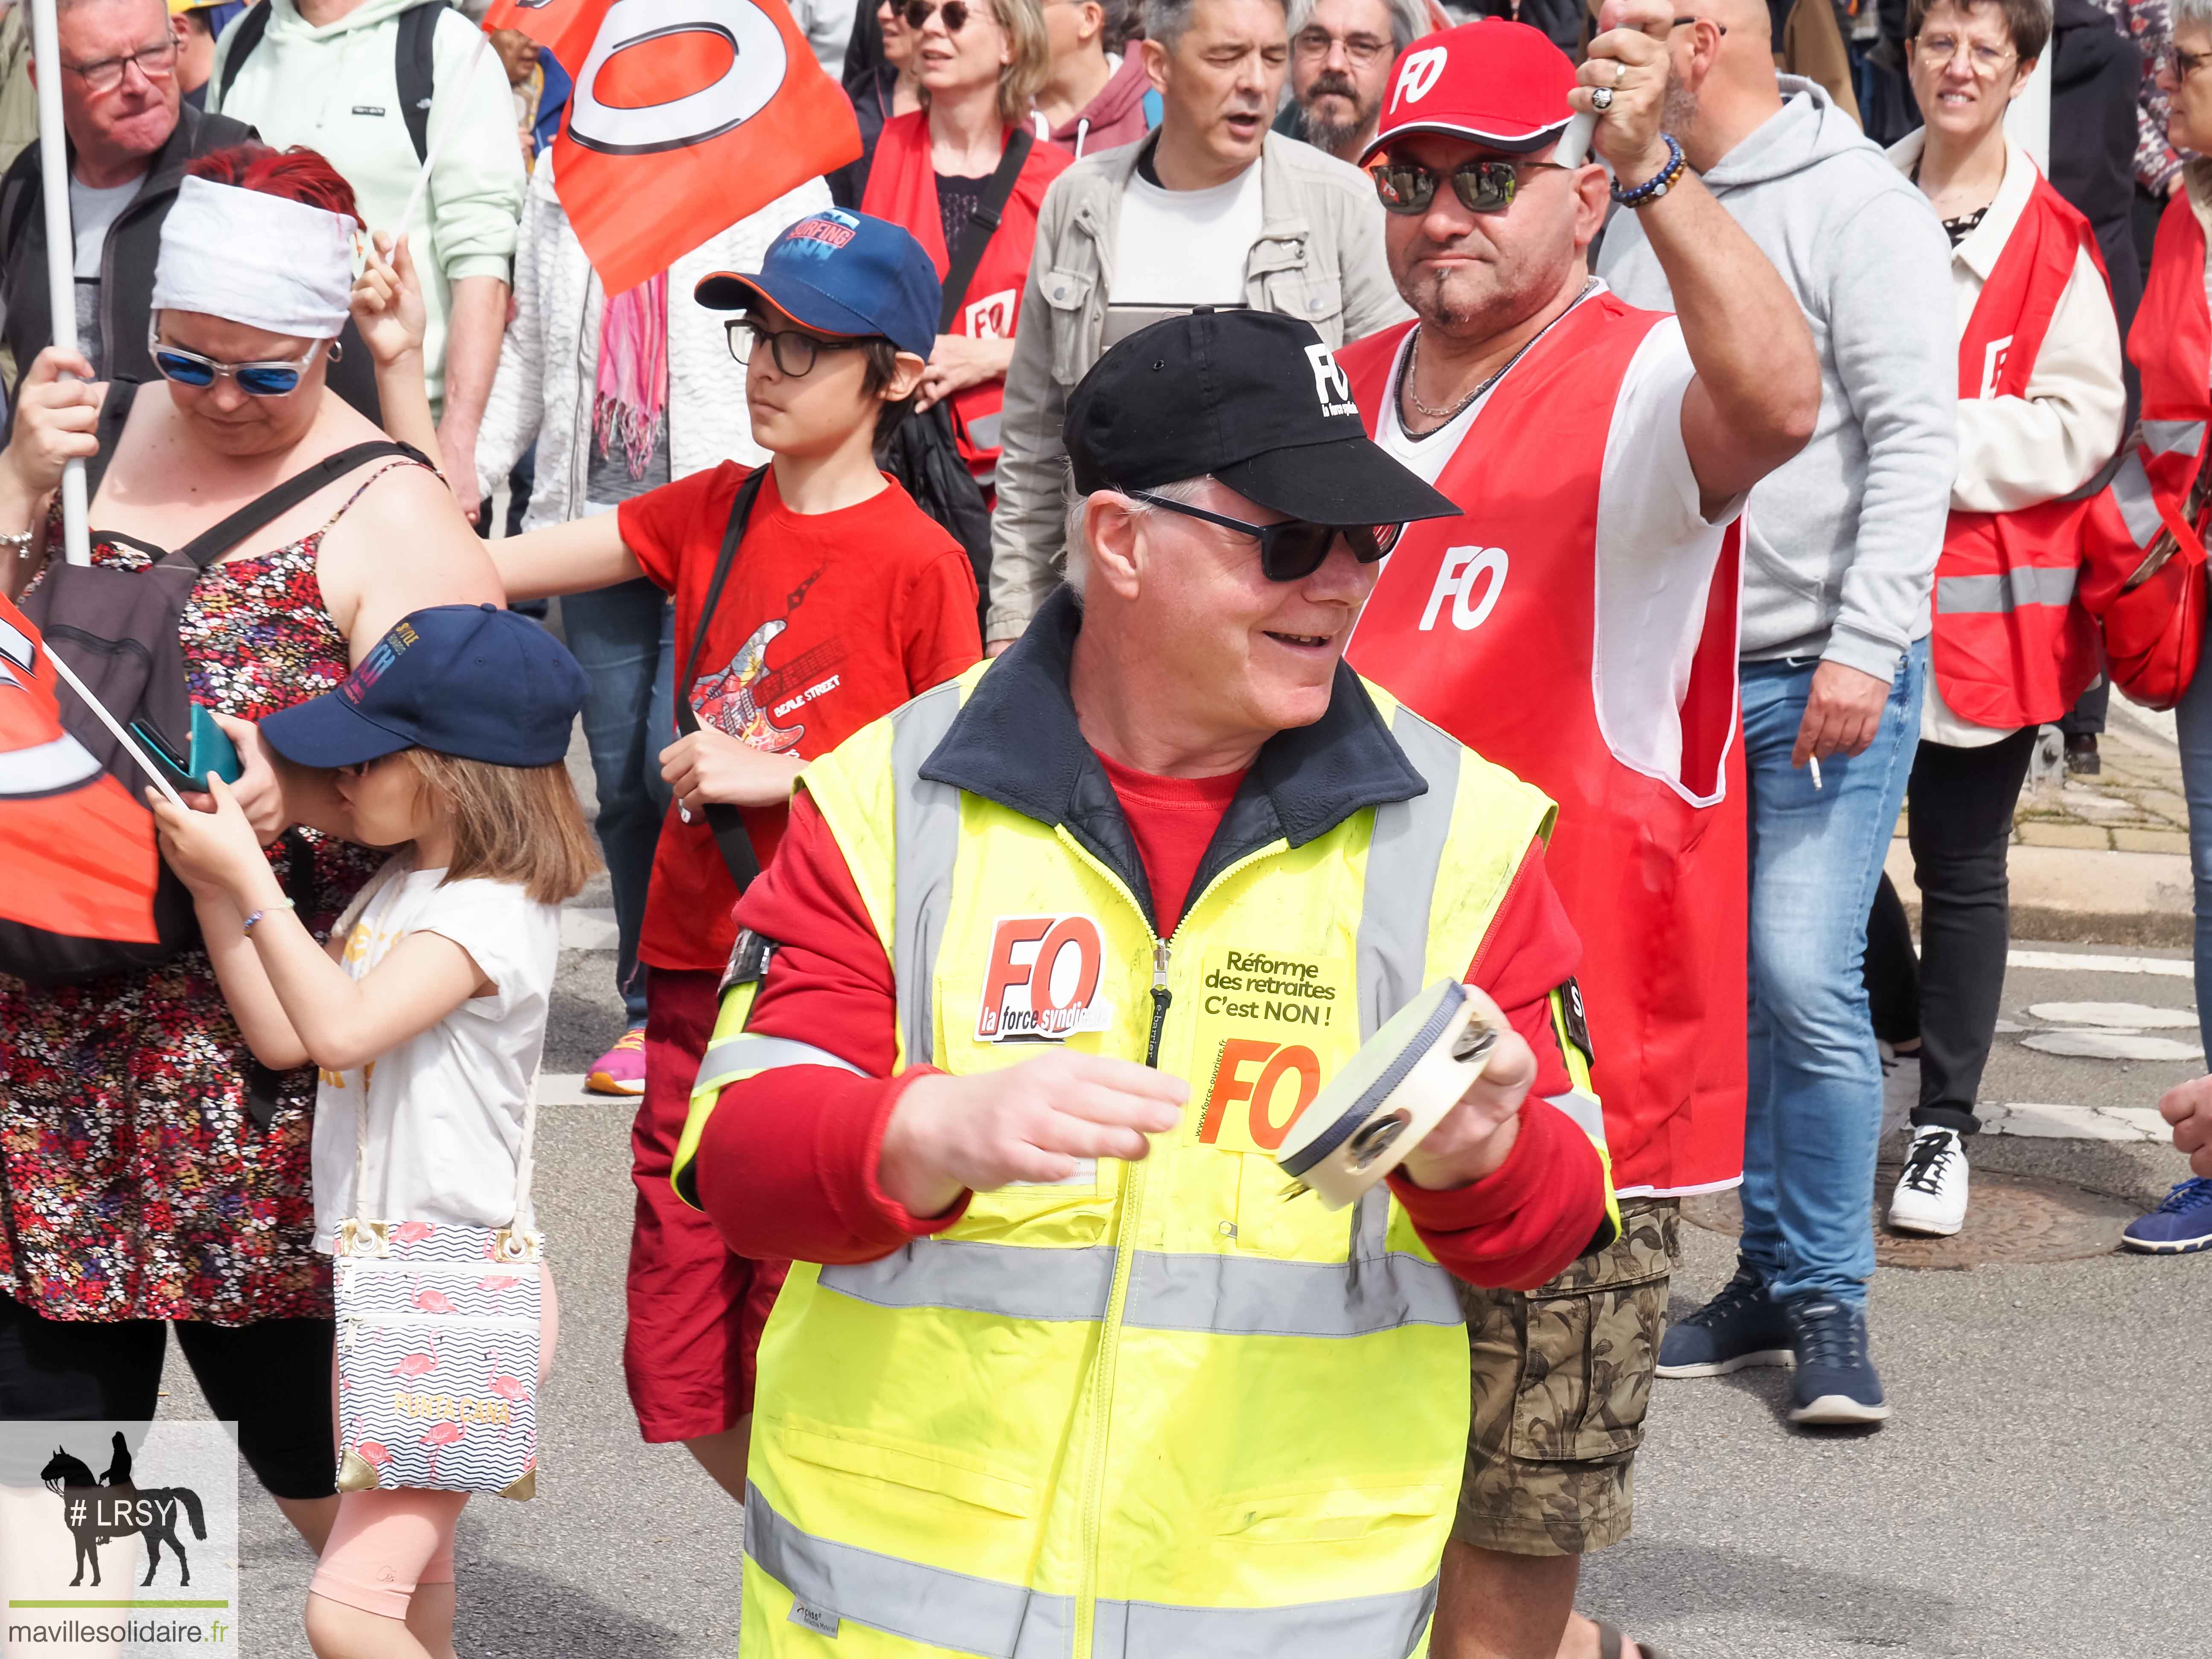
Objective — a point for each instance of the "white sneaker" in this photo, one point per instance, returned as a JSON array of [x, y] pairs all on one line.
[[1931, 1194]]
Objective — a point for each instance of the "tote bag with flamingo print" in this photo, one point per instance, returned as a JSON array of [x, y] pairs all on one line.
[[438, 1342]]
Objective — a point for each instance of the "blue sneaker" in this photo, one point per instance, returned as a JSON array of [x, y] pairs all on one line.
[[1739, 1326], [2182, 1224], [1835, 1381]]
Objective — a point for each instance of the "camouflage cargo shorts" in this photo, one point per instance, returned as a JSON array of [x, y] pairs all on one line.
[[1561, 1378]]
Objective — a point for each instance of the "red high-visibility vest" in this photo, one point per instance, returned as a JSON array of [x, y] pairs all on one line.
[[2012, 645], [1651, 869], [902, 188]]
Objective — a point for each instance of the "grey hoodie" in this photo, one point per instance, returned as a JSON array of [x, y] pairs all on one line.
[[1841, 542]]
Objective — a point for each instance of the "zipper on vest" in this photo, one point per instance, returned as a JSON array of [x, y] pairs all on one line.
[[1161, 997], [1125, 1244]]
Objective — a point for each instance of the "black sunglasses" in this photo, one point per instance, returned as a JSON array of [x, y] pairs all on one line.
[[1294, 549], [1481, 186], [917, 13]]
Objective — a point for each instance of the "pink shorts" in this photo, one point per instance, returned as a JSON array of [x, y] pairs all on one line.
[[386, 1544]]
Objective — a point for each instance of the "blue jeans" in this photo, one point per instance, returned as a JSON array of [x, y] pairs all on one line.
[[625, 638], [1813, 1115], [2192, 724]]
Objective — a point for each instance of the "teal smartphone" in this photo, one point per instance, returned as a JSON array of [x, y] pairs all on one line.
[[209, 750]]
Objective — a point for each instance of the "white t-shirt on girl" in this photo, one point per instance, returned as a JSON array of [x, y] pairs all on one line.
[[444, 1109]]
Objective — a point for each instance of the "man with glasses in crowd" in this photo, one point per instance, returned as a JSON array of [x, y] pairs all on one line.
[[130, 135], [1577, 625], [1341, 56], [1211, 209]]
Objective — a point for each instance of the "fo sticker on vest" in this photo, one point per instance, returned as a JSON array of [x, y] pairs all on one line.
[[1041, 983]]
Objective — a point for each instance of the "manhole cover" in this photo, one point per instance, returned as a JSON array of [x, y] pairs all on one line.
[[2012, 1218]]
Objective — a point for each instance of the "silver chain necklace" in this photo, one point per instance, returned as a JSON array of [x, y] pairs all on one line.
[[1444, 417]]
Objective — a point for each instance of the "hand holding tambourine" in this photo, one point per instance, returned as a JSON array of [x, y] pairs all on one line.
[[1448, 1058]]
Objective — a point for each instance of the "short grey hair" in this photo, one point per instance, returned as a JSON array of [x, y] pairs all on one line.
[[1409, 21], [1166, 20], [1185, 490], [2194, 14]]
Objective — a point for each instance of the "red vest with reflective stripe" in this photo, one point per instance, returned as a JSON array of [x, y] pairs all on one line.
[[1652, 877], [902, 188], [2012, 647], [2171, 346]]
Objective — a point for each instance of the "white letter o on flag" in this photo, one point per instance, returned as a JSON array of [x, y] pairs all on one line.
[[754, 75], [1491, 561]]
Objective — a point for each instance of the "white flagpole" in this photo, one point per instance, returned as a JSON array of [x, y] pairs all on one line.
[[437, 144], [61, 260], [93, 703]]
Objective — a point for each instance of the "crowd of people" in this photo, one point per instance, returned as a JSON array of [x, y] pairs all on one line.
[[1416, 547]]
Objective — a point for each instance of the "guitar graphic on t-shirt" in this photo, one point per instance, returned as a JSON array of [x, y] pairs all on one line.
[[738, 697]]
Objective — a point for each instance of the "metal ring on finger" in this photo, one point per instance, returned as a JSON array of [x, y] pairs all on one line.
[[1600, 99]]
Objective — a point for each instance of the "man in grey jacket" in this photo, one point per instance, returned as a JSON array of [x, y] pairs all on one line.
[[1209, 209], [1839, 554]]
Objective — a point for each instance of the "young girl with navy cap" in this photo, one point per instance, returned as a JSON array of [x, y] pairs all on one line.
[[425, 1015]]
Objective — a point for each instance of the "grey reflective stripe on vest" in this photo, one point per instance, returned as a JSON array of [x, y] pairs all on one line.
[[1014, 1281], [2007, 590], [2173, 437], [939, 1607], [933, 1606], [1589, 1116], [1258, 1295], [1223, 1295], [2138, 507], [764, 1054], [927, 841], [1402, 859]]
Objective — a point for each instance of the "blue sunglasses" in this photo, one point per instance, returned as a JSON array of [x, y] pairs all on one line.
[[270, 378]]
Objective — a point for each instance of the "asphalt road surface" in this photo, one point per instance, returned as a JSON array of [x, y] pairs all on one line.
[[2039, 1492]]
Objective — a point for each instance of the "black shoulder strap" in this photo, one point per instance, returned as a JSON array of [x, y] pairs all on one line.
[[415, 57], [203, 549], [114, 410], [251, 28], [725, 821], [988, 211]]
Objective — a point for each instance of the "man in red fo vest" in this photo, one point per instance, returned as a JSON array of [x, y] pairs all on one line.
[[1578, 625]]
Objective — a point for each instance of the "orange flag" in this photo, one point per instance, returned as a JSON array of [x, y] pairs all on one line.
[[687, 115], [77, 854]]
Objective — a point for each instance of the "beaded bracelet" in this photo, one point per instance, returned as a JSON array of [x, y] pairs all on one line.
[[1659, 183], [280, 904]]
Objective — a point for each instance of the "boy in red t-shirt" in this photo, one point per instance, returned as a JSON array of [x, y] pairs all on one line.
[[844, 600]]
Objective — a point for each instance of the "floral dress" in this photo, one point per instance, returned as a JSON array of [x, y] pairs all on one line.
[[135, 1183]]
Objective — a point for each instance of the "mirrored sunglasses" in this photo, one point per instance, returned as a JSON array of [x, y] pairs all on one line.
[[1482, 187], [269, 378]]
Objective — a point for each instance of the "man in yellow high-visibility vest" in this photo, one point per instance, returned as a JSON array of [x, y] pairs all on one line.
[[1046, 965]]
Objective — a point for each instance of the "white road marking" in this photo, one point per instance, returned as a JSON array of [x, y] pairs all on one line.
[[2115, 1015], [567, 1089], [2063, 1122], [584, 927], [2066, 961], [2110, 1045]]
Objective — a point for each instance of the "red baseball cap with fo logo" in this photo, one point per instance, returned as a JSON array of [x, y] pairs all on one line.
[[1499, 84]]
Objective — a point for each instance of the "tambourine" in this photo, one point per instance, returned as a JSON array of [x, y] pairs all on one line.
[[1396, 1089]]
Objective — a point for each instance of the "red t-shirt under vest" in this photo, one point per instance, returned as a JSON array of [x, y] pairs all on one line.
[[1651, 867]]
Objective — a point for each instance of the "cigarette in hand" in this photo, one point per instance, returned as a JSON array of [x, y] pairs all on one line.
[[1815, 761]]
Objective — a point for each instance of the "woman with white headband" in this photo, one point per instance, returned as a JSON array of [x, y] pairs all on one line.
[[144, 1175]]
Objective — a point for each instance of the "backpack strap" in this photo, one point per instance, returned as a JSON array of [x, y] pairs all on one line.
[[990, 208], [204, 548], [414, 66], [251, 28], [725, 820]]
